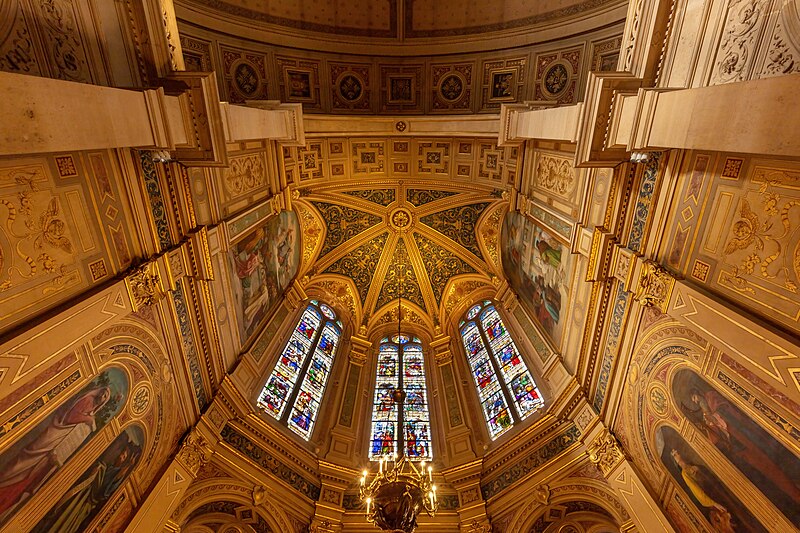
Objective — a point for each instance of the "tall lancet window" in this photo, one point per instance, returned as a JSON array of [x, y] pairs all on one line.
[[500, 374], [401, 366], [293, 392]]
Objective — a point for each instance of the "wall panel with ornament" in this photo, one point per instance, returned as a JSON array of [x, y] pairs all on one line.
[[67, 225], [101, 421], [753, 39], [735, 231], [74, 40]]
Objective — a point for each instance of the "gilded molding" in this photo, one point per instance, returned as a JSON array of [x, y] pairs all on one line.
[[606, 452], [654, 287]]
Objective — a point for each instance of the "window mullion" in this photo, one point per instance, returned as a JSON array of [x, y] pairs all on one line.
[[401, 430]]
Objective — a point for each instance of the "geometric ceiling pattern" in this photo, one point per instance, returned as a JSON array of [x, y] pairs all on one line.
[[404, 240]]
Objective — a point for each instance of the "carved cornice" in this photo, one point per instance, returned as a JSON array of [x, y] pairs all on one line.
[[606, 452]]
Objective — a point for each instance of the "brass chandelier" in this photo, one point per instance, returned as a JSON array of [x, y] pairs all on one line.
[[400, 490], [398, 493]]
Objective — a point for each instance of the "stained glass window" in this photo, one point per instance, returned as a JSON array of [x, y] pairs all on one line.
[[501, 376], [400, 364], [305, 361]]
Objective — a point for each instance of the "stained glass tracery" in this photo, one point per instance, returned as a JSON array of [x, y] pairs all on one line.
[[317, 335], [501, 376], [400, 362]]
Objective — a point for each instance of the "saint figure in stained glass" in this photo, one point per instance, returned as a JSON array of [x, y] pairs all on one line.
[[400, 364], [299, 378], [501, 376]]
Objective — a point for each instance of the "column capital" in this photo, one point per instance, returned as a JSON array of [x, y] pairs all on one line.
[[145, 285], [441, 349], [359, 348], [654, 285], [194, 452], [606, 452]]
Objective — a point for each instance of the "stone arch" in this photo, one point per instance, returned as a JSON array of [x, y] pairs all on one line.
[[237, 493], [560, 497]]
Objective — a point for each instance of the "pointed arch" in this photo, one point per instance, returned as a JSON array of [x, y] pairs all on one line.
[[293, 392], [501, 377]]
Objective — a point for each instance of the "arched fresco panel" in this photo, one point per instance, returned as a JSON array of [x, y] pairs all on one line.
[[86, 497], [262, 265], [724, 511], [40, 453], [539, 268], [730, 469], [756, 453]]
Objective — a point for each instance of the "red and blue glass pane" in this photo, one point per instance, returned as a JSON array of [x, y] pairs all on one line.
[[473, 342], [273, 395], [400, 339], [416, 415], [417, 440], [383, 441], [527, 398], [384, 410], [526, 394], [496, 412], [304, 412], [327, 311], [385, 415], [384, 406], [291, 360]]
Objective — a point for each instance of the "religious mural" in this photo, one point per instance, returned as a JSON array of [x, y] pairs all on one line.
[[761, 458], [264, 263], [538, 267], [36, 457], [80, 503], [711, 496]]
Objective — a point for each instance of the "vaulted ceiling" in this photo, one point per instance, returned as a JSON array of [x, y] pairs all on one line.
[[412, 238]]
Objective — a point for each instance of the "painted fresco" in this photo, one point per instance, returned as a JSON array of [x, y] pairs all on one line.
[[263, 265], [537, 266], [35, 458], [761, 458], [87, 496], [710, 495]]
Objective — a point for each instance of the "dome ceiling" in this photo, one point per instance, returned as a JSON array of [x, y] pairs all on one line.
[[309, 24], [379, 18], [405, 240]]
